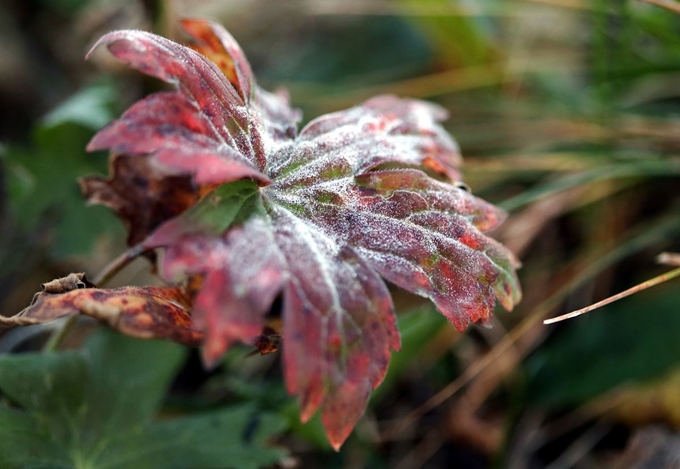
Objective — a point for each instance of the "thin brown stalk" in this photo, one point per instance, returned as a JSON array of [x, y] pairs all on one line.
[[669, 258], [115, 266], [642, 286], [464, 378], [106, 274], [672, 6]]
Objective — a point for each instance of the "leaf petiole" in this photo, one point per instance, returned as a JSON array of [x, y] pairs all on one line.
[[106, 274], [115, 266]]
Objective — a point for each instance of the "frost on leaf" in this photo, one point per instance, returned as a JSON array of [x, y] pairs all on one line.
[[320, 218]]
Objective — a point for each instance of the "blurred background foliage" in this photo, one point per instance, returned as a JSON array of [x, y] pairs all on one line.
[[568, 116]]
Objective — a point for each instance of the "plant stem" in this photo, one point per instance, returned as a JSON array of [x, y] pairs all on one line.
[[103, 277], [113, 267], [58, 335]]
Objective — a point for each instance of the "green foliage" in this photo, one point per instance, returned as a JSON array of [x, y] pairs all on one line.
[[417, 328], [457, 38], [42, 177], [391, 49], [94, 408]]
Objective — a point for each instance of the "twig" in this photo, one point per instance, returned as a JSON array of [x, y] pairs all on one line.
[[669, 258], [106, 274], [642, 286], [672, 6], [59, 333], [110, 270], [580, 448]]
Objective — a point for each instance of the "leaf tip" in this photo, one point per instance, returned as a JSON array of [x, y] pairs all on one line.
[[337, 435], [108, 39], [94, 47], [211, 352]]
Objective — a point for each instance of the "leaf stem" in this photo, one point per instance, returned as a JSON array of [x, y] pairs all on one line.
[[115, 266], [58, 335], [106, 274]]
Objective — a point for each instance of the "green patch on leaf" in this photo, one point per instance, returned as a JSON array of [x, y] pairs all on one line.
[[229, 204]]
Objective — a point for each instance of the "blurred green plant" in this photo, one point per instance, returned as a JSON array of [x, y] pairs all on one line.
[[42, 176], [95, 408]]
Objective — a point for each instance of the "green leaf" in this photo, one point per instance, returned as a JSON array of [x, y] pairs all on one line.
[[232, 437], [229, 204], [94, 409], [42, 177], [90, 107], [23, 444]]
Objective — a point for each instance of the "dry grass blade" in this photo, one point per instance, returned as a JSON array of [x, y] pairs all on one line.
[[423, 451], [569, 4], [642, 286], [672, 6], [669, 258], [473, 370], [580, 448], [388, 8]]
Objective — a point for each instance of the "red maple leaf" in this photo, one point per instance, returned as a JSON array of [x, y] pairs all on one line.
[[317, 217]]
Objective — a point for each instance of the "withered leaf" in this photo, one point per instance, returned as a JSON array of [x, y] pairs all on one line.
[[143, 312], [141, 194], [72, 281], [318, 217], [268, 341]]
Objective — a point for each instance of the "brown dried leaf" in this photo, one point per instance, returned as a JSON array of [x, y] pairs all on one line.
[[268, 341], [143, 312], [140, 193], [66, 284]]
